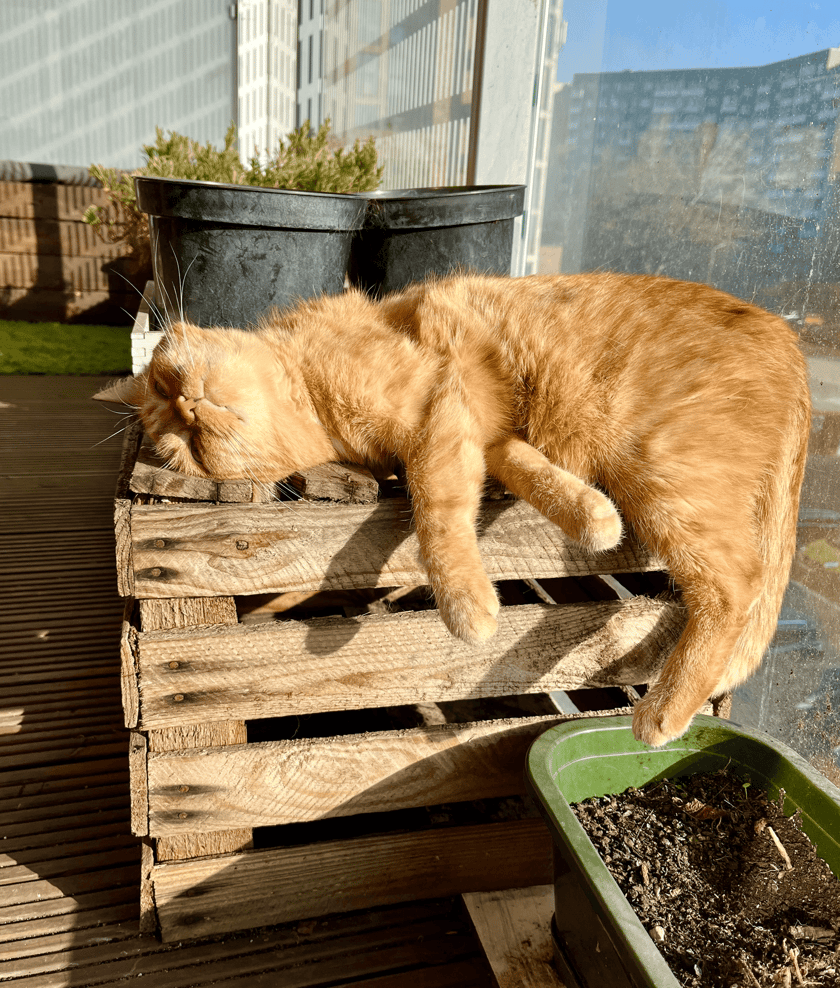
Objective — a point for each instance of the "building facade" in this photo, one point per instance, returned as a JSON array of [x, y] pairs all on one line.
[[84, 81], [266, 74], [727, 176]]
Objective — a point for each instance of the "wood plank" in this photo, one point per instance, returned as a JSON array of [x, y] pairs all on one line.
[[207, 550], [279, 782], [291, 956], [68, 886], [209, 896], [151, 476], [273, 670], [138, 750], [346, 483], [514, 927], [186, 614], [32, 918], [128, 668]]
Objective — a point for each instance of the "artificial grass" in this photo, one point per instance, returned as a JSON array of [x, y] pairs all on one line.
[[54, 348]]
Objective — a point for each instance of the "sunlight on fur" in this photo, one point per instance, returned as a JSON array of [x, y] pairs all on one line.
[[604, 400]]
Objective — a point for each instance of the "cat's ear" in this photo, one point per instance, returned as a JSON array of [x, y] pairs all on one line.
[[124, 391]]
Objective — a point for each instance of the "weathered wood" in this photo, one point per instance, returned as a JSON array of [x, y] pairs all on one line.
[[122, 533], [209, 896], [138, 746], [185, 612], [204, 550], [514, 927], [151, 476], [253, 671], [148, 914], [347, 483], [188, 614], [128, 669], [132, 437], [279, 782]]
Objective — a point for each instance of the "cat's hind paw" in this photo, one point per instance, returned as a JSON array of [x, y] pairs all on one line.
[[469, 615], [654, 723]]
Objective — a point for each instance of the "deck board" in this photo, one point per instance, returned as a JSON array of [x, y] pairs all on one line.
[[69, 871]]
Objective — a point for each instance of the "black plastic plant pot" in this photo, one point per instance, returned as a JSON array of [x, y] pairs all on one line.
[[224, 254], [599, 941], [409, 234]]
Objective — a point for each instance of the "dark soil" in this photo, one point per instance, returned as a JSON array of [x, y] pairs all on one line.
[[696, 859]]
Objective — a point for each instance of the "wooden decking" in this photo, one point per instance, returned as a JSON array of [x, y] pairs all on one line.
[[69, 867]]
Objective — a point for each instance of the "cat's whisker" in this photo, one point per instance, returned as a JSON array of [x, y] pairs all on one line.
[[105, 440]]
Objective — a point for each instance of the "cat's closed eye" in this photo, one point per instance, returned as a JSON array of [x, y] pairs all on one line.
[[160, 390]]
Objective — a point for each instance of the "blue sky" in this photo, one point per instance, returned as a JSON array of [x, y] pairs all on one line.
[[613, 35]]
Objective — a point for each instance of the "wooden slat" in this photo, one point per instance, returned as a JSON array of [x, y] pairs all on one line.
[[287, 668], [280, 782], [209, 896], [37, 890], [293, 956], [32, 919], [207, 550], [514, 927], [185, 614]]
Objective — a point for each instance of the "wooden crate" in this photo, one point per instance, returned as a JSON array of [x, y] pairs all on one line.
[[204, 679]]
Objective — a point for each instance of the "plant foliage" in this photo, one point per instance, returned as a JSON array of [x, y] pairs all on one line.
[[308, 161]]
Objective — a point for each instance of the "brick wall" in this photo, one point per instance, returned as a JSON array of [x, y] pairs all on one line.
[[53, 267]]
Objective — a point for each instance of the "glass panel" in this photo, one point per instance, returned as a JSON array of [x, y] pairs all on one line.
[[402, 71], [705, 146]]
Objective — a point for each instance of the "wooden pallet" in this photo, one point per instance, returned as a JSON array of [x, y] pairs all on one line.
[[198, 562]]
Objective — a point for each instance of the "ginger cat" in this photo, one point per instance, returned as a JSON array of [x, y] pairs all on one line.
[[688, 407]]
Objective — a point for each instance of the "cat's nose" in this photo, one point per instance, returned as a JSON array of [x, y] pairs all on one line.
[[186, 407]]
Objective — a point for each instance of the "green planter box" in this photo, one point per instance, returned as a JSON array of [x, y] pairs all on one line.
[[599, 941]]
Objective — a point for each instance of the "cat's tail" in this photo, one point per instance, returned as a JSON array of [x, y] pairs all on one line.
[[776, 512]]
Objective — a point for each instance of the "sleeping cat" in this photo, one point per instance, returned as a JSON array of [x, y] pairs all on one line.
[[687, 406]]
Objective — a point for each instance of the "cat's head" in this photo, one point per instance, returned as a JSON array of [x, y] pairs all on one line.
[[220, 403]]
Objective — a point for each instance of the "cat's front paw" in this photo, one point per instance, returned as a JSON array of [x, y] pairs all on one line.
[[600, 522], [469, 613], [656, 722]]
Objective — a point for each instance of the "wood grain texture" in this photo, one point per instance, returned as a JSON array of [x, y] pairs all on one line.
[[122, 535], [138, 748], [128, 669], [151, 476], [174, 614], [278, 885], [514, 927], [283, 668], [148, 915], [347, 483], [279, 782], [205, 550]]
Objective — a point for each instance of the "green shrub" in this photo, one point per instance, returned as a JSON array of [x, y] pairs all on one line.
[[308, 161]]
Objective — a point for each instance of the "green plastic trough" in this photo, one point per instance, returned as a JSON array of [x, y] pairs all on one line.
[[599, 941]]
